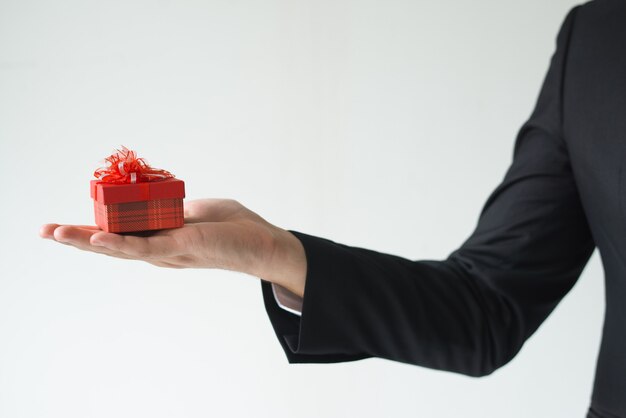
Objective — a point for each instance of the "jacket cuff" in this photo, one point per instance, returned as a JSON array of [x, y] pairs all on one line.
[[311, 337]]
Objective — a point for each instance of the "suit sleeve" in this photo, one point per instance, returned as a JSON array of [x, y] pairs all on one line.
[[471, 312]]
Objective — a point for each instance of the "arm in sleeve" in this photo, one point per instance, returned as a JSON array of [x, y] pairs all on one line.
[[471, 312]]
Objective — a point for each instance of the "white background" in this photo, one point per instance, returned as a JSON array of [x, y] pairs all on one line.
[[381, 124]]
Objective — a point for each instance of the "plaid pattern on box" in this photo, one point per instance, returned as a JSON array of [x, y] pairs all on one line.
[[139, 216]]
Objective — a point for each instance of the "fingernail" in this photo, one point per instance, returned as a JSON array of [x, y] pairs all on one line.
[[96, 243]]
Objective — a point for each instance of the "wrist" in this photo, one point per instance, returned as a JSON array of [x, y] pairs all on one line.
[[286, 265]]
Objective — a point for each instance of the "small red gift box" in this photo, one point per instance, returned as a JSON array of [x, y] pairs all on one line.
[[132, 196]]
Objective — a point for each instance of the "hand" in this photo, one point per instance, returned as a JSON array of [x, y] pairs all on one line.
[[217, 234]]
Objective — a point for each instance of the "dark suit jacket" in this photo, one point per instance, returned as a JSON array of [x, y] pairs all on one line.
[[563, 194]]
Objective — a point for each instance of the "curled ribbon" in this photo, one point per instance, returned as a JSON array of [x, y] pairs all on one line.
[[123, 167]]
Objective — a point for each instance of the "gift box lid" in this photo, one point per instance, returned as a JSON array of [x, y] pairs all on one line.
[[111, 193]]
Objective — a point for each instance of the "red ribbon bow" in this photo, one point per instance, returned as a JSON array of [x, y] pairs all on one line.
[[124, 167]]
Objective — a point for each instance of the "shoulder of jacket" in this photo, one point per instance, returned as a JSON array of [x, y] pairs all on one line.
[[600, 7]]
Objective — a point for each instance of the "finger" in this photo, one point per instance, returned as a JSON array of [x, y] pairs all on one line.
[[100, 250], [210, 210], [78, 236], [47, 230], [195, 211], [156, 246], [89, 227], [73, 234]]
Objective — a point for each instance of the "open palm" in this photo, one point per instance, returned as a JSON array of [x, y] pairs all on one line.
[[218, 233]]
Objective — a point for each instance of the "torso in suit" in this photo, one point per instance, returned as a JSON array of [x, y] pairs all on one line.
[[563, 194]]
